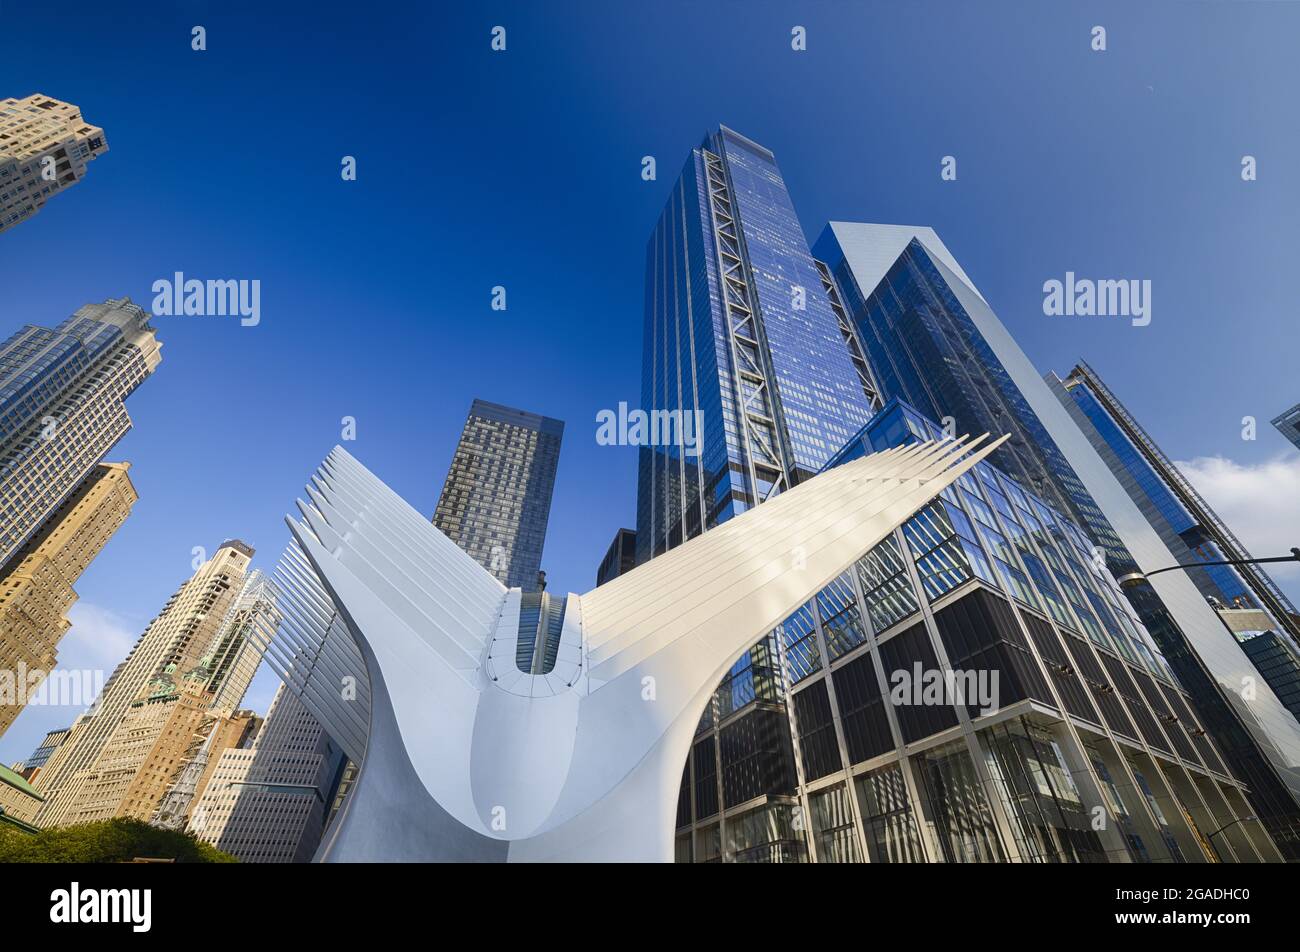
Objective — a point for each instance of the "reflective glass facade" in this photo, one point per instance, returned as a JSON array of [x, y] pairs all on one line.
[[1184, 520], [913, 310], [739, 328], [990, 578], [741, 332], [1255, 607], [1087, 719], [497, 498], [62, 407], [1288, 424]]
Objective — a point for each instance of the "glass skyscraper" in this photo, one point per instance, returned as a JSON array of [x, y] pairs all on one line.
[[1084, 717], [1288, 424], [742, 333], [933, 341], [620, 557], [497, 498], [62, 408], [1247, 599], [774, 348]]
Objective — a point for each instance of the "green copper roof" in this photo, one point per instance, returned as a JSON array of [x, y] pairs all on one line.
[[17, 781]]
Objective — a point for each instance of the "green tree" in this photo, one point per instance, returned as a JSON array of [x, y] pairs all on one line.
[[107, 841]]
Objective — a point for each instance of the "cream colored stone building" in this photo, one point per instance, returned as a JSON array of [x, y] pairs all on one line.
[[45, 147], [36, 586], [18, 799], [149, 708]]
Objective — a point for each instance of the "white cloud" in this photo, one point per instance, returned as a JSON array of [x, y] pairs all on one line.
[[99, 637], [1259, 503]]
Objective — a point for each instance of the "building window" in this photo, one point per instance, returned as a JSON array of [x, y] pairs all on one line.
[[832, 818], [956, 808], [765, 835], [892, 836], [887, 590]]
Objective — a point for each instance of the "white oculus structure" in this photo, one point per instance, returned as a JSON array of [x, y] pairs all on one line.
[[471, 756]]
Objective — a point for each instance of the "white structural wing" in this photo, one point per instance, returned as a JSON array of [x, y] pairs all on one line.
[[471, 755]]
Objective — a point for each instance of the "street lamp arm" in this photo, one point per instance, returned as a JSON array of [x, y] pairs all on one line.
[[1240, 819], [1293, 557]]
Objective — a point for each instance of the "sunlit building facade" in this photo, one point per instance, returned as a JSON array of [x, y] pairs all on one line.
[[933, 340], [120, 756], [1245, 596], [497, 498], [742, 339], [1082, 711], [62, 394], [268, 802], [45, 147], [746, 341], [36, 586]]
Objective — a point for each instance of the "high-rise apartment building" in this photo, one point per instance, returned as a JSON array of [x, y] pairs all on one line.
[[45, 147], [497, 498], [1245, 597], [269, 803], [1288, 424], [151, 704], [61, 408], [933, 340], [619, 558], [36, 585]]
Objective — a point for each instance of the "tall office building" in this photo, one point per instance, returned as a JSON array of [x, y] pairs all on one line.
[[1245, 597], [746, 342], [36, 585], [933, 340], [1184, 520], [1081, 716], [1288, 424], [742, 334], [269, 803], [497, 497], [45, 147], [619, 558], [61, 407], [151, 703]]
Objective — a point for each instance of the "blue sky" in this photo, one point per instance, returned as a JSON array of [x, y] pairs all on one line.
[[522, 169]]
